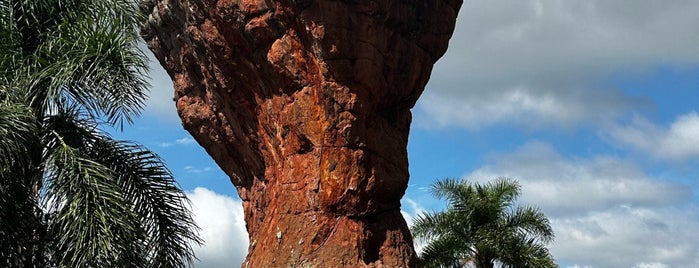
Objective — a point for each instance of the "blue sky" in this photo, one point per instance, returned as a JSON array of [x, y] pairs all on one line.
[[592, 105]]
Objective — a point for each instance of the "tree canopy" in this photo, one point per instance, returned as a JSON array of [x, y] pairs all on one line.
[[71, 195], [483, 226]]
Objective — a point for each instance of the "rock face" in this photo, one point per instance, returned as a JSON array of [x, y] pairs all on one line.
[[306, 106]]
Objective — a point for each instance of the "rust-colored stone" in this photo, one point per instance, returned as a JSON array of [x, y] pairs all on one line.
[[306, 106]]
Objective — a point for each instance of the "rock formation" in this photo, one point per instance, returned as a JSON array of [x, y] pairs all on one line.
[[305, 104]]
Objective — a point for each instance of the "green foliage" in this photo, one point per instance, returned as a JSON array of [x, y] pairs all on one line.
[[75, 51], [70, 195], [482, 227]]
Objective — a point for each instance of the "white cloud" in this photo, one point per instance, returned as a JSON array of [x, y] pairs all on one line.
[[629, 237], [413, 209], [222, 224], [679, 141], [191, 169], [605, 211], [185, 141], [160, 98], [523, 106], [564, 186], [409, 214], [165, 144], [530, 60], [181, 141], [651, 265]]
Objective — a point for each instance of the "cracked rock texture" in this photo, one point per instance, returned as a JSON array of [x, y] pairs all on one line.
[[306, 106]]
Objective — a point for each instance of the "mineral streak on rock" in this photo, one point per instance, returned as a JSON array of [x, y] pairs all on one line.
[[306, 106]]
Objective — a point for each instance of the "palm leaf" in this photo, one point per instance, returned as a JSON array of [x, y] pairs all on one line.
[[93, 226], [530, 221], [146, 185], [19, 214], [106, 74], [151, 189], [82, 52], [520, 251], [482, 226], [444, 251], [17, 134], [72, 64]]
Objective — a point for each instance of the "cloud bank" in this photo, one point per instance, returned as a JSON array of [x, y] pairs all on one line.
[[605, 211], [534, 62], [677, 142], [222, 224]]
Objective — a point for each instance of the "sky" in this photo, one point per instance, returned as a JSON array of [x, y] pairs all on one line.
[[592, 105]]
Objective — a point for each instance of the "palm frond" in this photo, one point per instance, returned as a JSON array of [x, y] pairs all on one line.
[[450, 189], [82, 52], [504, 191], [460, 195], [482, 219], [108, 74], [445, 251], [429, 225], [75, 64], [165, 226], [19, 218], [522, 252], [530, 221], [447, 237], [151, 189], [19, 213], [9, 44], [18, 134], [93, 226]]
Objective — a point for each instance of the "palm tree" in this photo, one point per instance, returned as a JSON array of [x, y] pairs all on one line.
[[70, 195], [482, 227]]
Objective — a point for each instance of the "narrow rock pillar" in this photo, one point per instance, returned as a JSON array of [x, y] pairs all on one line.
[[306, 106]]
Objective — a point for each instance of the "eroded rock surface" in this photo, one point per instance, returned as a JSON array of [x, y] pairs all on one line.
[[306, 106]]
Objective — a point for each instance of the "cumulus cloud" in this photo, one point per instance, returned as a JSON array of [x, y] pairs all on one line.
[[605, 211], [679, 141], [222, 224], [531, 60], [651, 265], [564, 186], [181, 141], [523, 106], [629, 237], [410, 212], [160, 101]]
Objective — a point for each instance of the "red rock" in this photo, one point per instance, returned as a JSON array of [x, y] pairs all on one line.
[[306, 106]]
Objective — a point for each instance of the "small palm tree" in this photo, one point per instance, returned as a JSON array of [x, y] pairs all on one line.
[[70, 195], [481, 227]]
